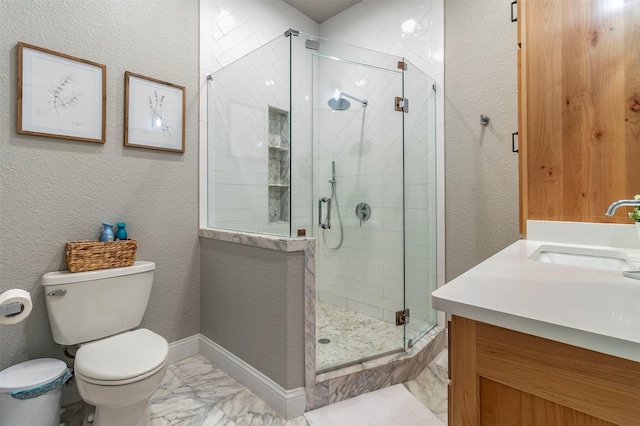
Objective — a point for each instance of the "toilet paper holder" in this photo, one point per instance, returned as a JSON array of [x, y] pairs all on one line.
[[15, 306], [10, 309]]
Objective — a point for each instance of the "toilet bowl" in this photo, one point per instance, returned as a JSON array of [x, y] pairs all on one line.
[[117, 366], [118, 374]]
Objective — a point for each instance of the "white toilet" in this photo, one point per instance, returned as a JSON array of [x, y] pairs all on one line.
[[116, 369]]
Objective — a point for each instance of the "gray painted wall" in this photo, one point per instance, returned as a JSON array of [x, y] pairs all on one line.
[[53, 190], [481, 192], [252, 304]]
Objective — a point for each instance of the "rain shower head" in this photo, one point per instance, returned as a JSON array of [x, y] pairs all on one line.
[[338, 102]]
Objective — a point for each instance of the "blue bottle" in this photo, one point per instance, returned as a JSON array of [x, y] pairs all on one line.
[[121, 233], [107, 232]]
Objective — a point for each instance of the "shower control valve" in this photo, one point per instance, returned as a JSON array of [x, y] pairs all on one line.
[[363, 212]]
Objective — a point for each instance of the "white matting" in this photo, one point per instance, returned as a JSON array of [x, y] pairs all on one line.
[[388, 406]]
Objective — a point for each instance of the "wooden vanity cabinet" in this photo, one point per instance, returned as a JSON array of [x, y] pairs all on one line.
[[579, 108], [501, 377]]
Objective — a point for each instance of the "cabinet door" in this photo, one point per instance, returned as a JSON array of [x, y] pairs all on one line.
[[502, 405], [581, 98], [501, 377]]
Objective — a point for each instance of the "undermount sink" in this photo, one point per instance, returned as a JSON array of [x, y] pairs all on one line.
[[609, 260]]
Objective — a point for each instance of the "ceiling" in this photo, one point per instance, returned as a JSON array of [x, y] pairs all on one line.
[[321, 10]]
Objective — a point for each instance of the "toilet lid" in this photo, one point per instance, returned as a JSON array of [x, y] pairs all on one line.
[[122, 356]]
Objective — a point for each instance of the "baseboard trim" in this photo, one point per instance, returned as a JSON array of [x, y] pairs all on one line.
[[183, 348], [288, 403]]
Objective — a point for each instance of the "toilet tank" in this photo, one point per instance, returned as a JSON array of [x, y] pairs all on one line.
[[85, 306]]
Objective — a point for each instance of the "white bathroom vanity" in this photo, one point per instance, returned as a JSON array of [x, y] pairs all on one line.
[[547, 331]]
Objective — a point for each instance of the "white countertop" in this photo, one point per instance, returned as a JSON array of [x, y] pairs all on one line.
[[589, 308]]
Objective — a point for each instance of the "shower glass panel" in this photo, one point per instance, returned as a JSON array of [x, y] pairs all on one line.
[[304, 139], [419, 202], [249, 142], [357, 161]]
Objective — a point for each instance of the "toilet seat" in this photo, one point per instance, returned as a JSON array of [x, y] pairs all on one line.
[[90, 380], [121, 359]]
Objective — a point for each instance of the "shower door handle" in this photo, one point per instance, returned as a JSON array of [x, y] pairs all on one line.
[[327, 223]]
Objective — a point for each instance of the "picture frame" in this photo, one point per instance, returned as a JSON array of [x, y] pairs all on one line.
[[154, 113], [60, 96]]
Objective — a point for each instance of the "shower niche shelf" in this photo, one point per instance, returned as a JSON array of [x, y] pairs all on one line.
[[278, 139]]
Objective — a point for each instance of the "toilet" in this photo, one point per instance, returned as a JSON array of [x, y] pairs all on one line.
[[117, 365]]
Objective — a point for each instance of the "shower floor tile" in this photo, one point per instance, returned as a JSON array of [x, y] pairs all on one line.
[[353, 336]]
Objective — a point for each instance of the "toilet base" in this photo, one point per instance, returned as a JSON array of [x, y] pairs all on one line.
[[87, 418], [121, 404], [132, 415]]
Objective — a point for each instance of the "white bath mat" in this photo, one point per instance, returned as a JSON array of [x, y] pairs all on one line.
[[388, 406]]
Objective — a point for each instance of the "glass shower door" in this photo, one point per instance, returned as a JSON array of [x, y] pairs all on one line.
[[357, 208], [420, 201]]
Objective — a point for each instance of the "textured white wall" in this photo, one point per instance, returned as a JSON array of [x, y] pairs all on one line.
[[482, 172], [263, 291], [53, 191]]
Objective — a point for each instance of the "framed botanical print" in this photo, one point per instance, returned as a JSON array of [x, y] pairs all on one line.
[[60, 96], [154, 113]]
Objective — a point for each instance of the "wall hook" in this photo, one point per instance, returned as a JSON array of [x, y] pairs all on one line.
[[484, 120]]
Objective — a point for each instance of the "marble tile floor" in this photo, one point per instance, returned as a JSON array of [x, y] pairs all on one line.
[[196, 392]]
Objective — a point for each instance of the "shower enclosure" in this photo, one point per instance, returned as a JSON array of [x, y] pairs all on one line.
[[318, 138]]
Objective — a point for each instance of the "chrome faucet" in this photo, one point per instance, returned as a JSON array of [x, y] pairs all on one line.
[[620, 203]]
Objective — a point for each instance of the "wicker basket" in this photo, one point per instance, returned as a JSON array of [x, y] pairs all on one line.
[[92, 255]]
